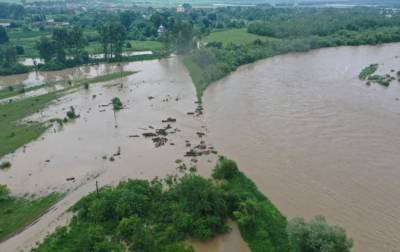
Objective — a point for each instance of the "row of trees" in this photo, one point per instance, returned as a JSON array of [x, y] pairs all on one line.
[[161, 215], [11, 11], [294, 23], [112, 38], [9, 56], [62, 43]]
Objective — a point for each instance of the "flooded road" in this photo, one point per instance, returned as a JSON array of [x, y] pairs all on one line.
[[315, 139]]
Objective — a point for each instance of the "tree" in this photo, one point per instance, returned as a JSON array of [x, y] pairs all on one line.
[[76, 43], [112, 39], [45, 48], [317, 236], [118, 35], [10, 56], [4, 192], [60, 38], [126, 18], [3, 35], [181, 35]]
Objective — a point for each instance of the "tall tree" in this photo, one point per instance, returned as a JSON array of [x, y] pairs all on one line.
[[45, 48], [60, 37], [10, 55], [76, 43], [112, 39], [3, 35]]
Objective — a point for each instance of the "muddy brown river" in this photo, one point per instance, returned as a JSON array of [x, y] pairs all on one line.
[[314, 138], [317, 140]]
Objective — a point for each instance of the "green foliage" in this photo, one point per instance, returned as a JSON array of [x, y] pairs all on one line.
[[14, 133], [146, 216], [112, 39], [234, 36], [71, 113], [261, 224], [288, 30], [117, 104], [5, 165], [8, 60], [3, 35], [369, 70], [383, 80], [16, 213], [162, 215], [4, 194], [317, 236]]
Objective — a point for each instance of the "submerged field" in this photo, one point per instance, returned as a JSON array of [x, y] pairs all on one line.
[[15, 132]]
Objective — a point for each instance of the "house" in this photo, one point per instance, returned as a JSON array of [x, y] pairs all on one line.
[[180, 9], [161, 30], [5, 25]]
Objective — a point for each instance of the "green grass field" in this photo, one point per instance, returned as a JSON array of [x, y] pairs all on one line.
[[13, 133], [17, 213], [235, 36], [28, 40]]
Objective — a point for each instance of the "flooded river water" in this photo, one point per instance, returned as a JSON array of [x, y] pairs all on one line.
[[317, 140], [314, 138]]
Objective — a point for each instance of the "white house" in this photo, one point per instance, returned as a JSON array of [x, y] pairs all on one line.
[[180, 9], [5, 25]]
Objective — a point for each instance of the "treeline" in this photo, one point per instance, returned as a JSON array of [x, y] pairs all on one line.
[[162, 215], [9, 56], [295, 23], [64, 49], [11, 11]]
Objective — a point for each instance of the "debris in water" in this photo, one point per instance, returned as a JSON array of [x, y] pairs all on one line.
[[149, 134], [169, 120], [159, 141]]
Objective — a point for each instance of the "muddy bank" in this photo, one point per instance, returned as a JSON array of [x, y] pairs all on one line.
[[316, 139]]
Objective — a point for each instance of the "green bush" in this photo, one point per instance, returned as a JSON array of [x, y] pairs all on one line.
[[117, 104], [317, 236]]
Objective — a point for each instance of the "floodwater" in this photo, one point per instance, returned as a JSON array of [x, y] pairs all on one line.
[[315, 139], [77, 73], [72, 157], [34, 61]]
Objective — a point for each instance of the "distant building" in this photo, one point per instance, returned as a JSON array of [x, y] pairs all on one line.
[[161, 30], [180, 9], [50, 23], [5, 25]]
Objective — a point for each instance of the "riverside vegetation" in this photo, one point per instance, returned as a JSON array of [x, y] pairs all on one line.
[[163, 214], [283, 31]]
